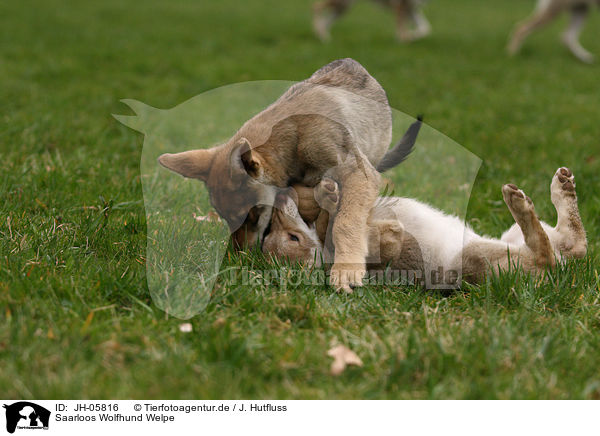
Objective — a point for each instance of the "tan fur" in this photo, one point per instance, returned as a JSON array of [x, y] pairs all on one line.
[[536, 255], [530, 243], [388, 243], [549, 10], [336, 123], [281, 243]]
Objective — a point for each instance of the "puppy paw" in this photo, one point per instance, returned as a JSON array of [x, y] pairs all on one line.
[[563, 180], [516, 200], [394, 227], [327, 194], [346, 276], [562, 188]]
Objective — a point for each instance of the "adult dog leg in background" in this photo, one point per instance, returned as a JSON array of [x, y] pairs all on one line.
[[325, 13], [546, 11], [422, 26], [571, 36], [408, 12]]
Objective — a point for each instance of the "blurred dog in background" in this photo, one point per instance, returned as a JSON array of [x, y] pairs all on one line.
[[411, 23], [548, 10]]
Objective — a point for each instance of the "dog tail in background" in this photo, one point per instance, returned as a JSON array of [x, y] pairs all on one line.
[[398, 154]]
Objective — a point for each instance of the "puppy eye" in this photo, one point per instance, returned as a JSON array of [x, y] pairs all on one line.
[[294, 238]]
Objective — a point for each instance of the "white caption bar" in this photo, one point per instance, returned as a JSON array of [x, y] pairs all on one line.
[[298, 417]]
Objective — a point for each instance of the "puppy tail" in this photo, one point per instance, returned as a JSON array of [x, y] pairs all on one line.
[[398, 154]]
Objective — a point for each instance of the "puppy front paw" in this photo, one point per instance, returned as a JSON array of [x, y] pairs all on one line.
[[346, 276], [327, 194], [516, 200], [562, 188], [563, 180]]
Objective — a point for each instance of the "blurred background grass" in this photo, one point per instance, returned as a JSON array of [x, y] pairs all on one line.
[[76, 315]]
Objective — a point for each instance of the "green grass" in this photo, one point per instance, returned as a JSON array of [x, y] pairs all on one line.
[[76, 317]]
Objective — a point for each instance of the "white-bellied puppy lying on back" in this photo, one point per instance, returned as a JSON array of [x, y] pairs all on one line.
[[549, 10], [411, 23], [407, 235]]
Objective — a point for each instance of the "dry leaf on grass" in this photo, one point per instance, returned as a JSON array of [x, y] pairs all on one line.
[[186, 327], [211, 217], [342, 357]]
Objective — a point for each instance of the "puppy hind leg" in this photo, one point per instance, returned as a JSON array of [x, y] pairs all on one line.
[[569, 228], [480, 258], [522, 209], [385, 240], [571, 36]]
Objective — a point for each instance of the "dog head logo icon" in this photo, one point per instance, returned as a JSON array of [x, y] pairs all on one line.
[[26, 415]]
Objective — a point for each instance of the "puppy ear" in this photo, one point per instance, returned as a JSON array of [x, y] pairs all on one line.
[[245, 160], [194, 164]]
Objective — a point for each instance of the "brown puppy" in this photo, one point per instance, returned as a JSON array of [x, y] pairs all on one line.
[[301, 222], [336, 123]]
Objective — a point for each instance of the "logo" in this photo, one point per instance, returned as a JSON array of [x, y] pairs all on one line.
[[26, 415]]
